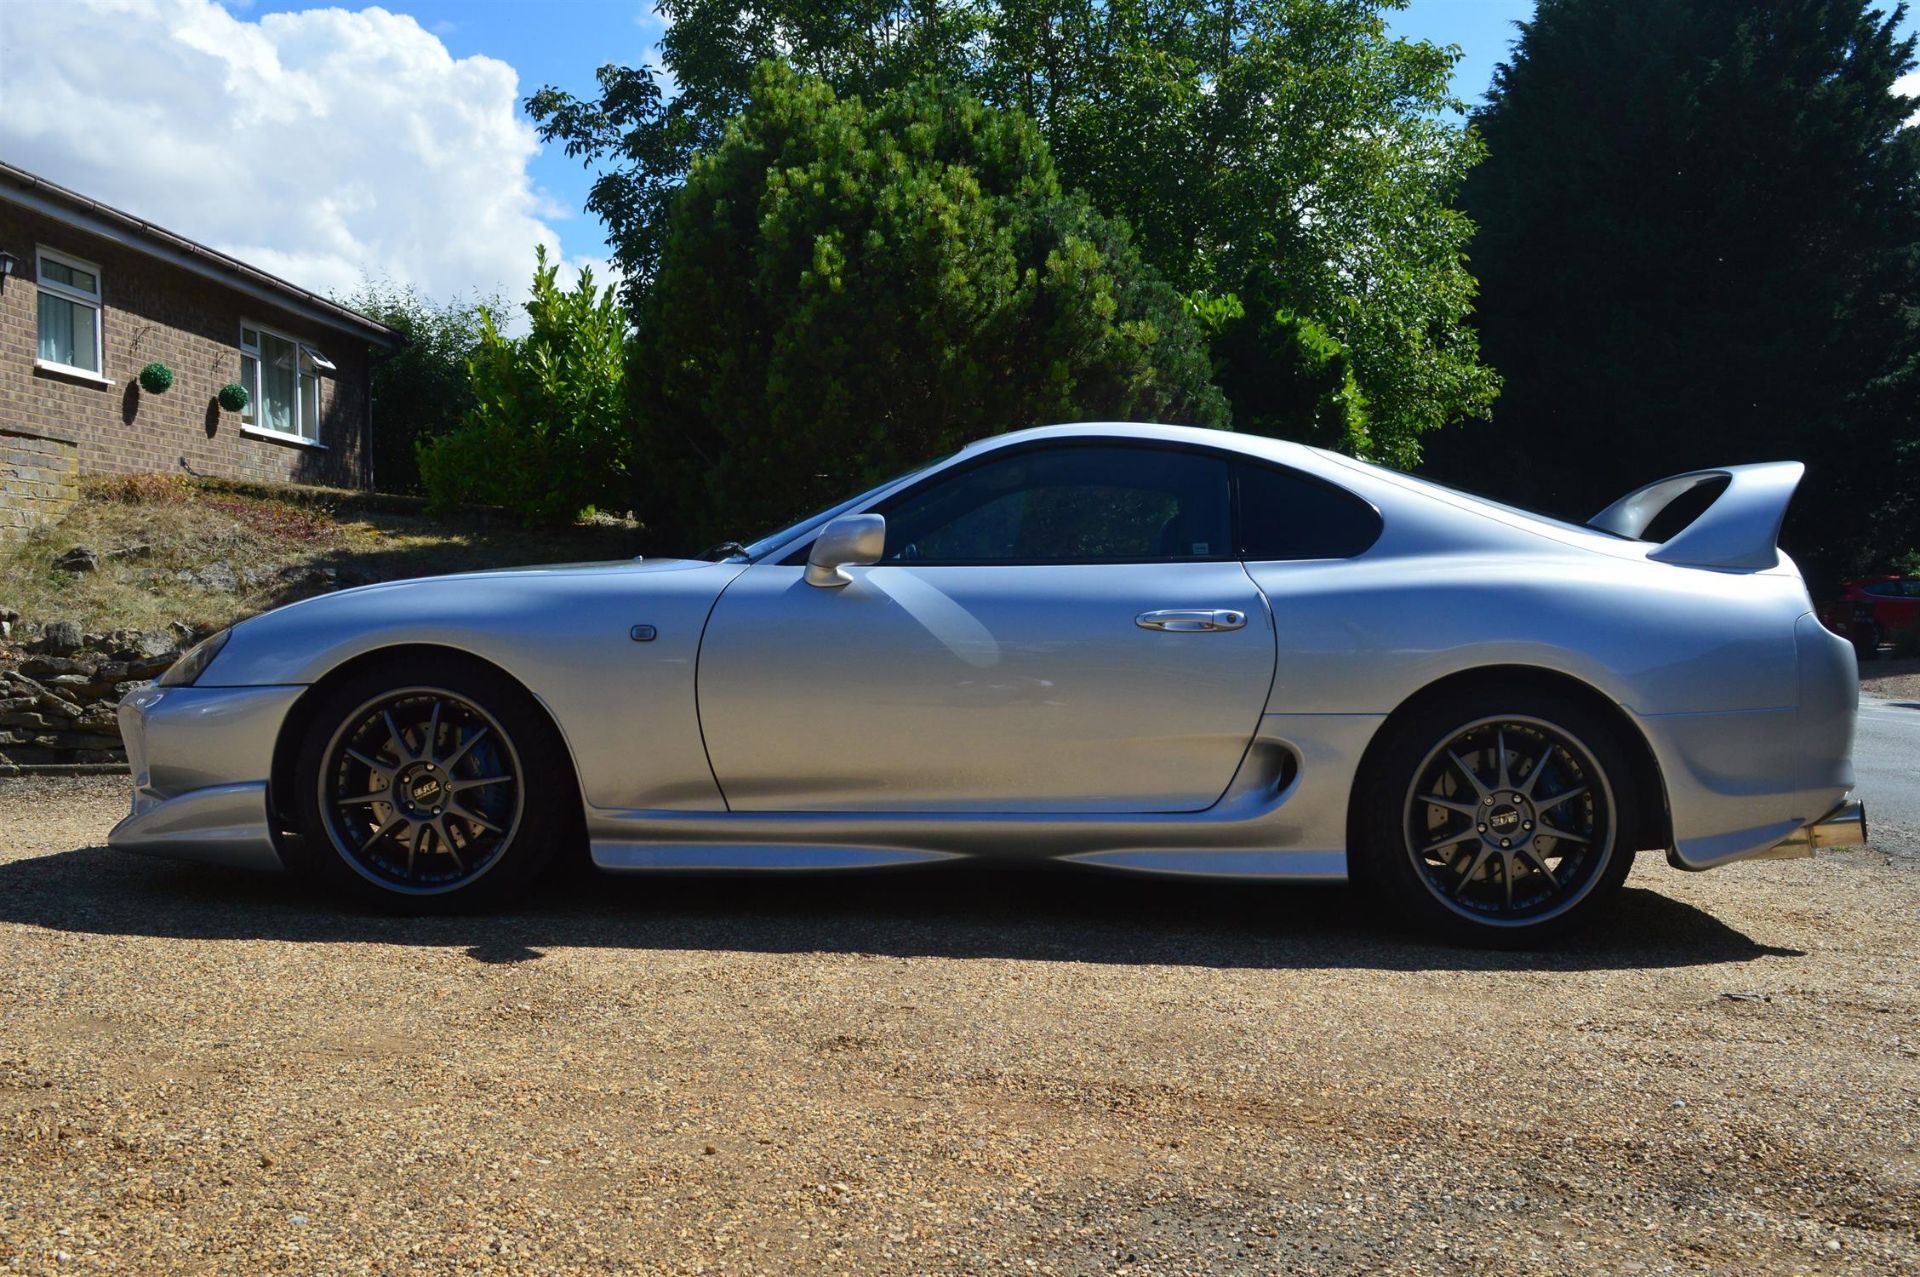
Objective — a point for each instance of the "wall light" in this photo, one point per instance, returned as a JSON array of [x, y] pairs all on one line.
[[6, 264]]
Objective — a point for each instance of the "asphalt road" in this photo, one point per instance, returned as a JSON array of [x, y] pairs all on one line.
[[1886, 763]]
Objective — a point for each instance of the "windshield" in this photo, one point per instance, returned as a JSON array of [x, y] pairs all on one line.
[[774, 540]]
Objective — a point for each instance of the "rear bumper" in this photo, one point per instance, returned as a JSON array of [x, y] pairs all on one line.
[[200, 758], [1740, 784]]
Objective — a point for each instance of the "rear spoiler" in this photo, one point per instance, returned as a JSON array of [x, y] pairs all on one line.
[[1739, 531]]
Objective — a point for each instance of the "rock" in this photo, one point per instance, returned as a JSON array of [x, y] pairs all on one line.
[[47, 667], [138, 550], [152, 643], [61, 637], [216, 576], [152, 666], [51, 703], [81, 558]]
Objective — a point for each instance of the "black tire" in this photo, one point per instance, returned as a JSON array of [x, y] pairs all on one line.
[[1476, 876], [1866, 646], [482, 796]]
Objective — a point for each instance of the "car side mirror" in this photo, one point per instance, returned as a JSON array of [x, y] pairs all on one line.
[[852, 539]]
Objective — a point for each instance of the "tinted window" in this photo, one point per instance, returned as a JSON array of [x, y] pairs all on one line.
[[1287, 515], [1069, 505]]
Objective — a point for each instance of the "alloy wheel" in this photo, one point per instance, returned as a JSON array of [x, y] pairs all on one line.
[[1510, 821], [421, 791]]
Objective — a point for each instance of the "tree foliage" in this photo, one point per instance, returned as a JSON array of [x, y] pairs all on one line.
[[1288, 150], [421, 390], [850, 289], [1700, 230], [547, 434]]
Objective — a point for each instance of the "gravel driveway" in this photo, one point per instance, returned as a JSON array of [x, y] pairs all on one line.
[[967, 1072]]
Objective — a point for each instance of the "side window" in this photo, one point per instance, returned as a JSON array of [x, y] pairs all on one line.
[[1287, 515], [1084, 504]]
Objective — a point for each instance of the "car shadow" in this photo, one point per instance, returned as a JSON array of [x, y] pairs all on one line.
[[1039, 913]]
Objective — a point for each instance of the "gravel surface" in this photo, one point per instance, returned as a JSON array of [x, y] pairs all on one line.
[[1895, 680], [967, 1071]]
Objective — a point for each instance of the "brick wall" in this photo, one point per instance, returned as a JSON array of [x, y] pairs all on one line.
[[37, 479], [154, 311]]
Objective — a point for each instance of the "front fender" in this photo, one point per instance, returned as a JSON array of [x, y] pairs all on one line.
[[624, 707]]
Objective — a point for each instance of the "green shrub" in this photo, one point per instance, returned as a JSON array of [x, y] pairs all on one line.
[[547, 435], [156, 379], [420, 391], [233, 397]]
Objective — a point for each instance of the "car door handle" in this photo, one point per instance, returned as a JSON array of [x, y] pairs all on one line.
[[1190, 620]]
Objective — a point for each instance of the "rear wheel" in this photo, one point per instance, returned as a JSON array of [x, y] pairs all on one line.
[[1497, 820], [430, 785]]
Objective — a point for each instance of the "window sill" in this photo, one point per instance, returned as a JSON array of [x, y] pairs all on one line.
[[65, 370], [281, 436]]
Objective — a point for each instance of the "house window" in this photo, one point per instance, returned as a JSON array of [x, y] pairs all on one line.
[[282, 378], [69, 312]]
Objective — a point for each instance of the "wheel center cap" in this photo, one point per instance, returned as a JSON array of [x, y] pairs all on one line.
[[1504, 821], [423, 788]]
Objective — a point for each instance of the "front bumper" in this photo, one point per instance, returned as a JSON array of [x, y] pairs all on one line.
[[200, 758]]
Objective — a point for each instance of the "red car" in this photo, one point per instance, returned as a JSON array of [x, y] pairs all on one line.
[[1873, 611]]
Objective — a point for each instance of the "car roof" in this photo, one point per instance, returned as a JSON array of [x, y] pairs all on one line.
[[1281, 450]]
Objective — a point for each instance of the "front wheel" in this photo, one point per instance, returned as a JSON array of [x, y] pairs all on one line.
[[430, 784], [1501, 821]]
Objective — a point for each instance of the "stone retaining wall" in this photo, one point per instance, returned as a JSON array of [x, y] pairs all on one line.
[[58, 699], [39, 478]]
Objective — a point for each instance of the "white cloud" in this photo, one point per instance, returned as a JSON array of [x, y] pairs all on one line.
[[1909, 86], [318, 145]]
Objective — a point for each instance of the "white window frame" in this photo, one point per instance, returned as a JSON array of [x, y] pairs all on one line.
[[93, 301], [250, 418]]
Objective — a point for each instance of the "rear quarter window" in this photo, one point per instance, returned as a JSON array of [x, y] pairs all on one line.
[[1284, 514]]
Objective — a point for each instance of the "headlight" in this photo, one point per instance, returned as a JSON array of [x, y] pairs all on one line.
[[194, 662]]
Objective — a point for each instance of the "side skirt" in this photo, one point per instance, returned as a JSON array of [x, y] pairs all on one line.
[[1282, 819]]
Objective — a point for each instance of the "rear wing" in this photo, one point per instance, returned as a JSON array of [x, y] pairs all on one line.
[[1740, 531]]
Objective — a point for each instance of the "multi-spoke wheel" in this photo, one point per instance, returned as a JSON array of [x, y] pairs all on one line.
[[420, 790], [430, 784], [1499, 823]]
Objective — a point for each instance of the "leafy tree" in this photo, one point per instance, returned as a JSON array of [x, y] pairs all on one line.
[[1285, 149], [850, 289], [421, 390], [547, 435], [1700, 230]]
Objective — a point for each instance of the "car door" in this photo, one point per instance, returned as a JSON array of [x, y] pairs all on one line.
[[1061, 628]]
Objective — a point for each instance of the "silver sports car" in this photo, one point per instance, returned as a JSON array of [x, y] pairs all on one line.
[[1145, 648]]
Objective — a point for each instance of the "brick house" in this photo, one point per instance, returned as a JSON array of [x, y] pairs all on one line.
[[90, 295]]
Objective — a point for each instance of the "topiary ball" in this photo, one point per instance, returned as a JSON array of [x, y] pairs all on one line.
[[156, 378], [233, 397]]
